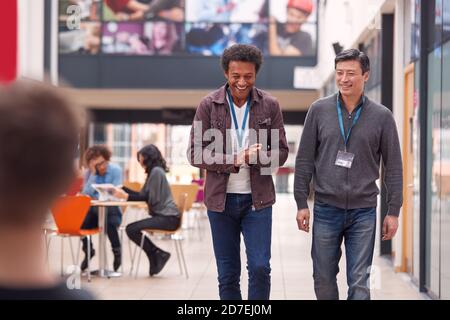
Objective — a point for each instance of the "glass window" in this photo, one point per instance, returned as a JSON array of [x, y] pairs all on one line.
[[444, 193], [434, 11], [415, 31], [373, 51], [434, 170], [99, 134], [416, 172], [446, 20]]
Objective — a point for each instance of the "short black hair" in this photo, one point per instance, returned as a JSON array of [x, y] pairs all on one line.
[[242, 52], [353, 54]]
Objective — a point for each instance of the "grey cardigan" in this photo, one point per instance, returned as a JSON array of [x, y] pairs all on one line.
[[156, 192], [374, 137]]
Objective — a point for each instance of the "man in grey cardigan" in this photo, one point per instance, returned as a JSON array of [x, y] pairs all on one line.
[[344, 138]]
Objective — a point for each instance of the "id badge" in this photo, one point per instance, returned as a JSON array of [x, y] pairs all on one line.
[[344, 159]]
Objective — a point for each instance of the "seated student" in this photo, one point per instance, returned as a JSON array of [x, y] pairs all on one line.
[[36, 167], [100, 170], [163, 210]]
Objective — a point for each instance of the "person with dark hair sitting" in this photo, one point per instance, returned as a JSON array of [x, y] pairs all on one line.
[[162, 208], [39, 129], [101, 171]]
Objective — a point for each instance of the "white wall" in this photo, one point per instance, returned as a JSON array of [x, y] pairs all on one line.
[[31, 39]]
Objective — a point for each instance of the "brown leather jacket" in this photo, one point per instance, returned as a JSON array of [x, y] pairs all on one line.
[[214, 113]]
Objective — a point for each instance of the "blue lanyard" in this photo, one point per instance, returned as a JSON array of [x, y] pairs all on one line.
[[239, 133], [341, 122]]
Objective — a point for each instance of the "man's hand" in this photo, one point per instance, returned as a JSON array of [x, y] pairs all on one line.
[[303, 219], [390, 226], [252, 152], [94, 164], [246, 155]]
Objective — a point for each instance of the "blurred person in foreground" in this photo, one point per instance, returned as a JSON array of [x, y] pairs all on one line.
[[39, 129]]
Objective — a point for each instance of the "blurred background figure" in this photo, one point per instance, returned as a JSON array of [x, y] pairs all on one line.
[[125, 38], [212, 39], [164, 214], [124, 10], [88, 9], [209, 10], [206, 39], [36, 166], [101, 171], [85, 40], [250, 11], [164, 38], [288, 39]]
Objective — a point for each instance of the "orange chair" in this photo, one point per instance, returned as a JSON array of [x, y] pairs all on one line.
[[191, 190], [69, 213]]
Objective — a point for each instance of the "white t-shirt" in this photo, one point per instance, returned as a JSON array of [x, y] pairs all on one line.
[[239, 182]]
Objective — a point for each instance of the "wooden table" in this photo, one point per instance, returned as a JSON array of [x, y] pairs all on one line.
[[102, 225]]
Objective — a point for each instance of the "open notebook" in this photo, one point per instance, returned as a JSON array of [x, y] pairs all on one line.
[[106, 192]]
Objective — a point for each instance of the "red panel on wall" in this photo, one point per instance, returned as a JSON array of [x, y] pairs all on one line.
[[8, 44]]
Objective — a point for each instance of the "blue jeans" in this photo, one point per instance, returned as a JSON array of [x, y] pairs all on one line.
[[256, 228], [357, 227]]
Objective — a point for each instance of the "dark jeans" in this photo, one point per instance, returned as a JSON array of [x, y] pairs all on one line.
[[134, 230], [357, 228], [114, 219], [256, 228]]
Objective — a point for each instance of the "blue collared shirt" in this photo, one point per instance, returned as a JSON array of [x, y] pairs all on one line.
[[113, 175]]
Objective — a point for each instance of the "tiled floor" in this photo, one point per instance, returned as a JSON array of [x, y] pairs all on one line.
[[291, 267]]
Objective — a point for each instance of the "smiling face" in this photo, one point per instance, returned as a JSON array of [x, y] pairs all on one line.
[[350, 79], [241, 77]]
